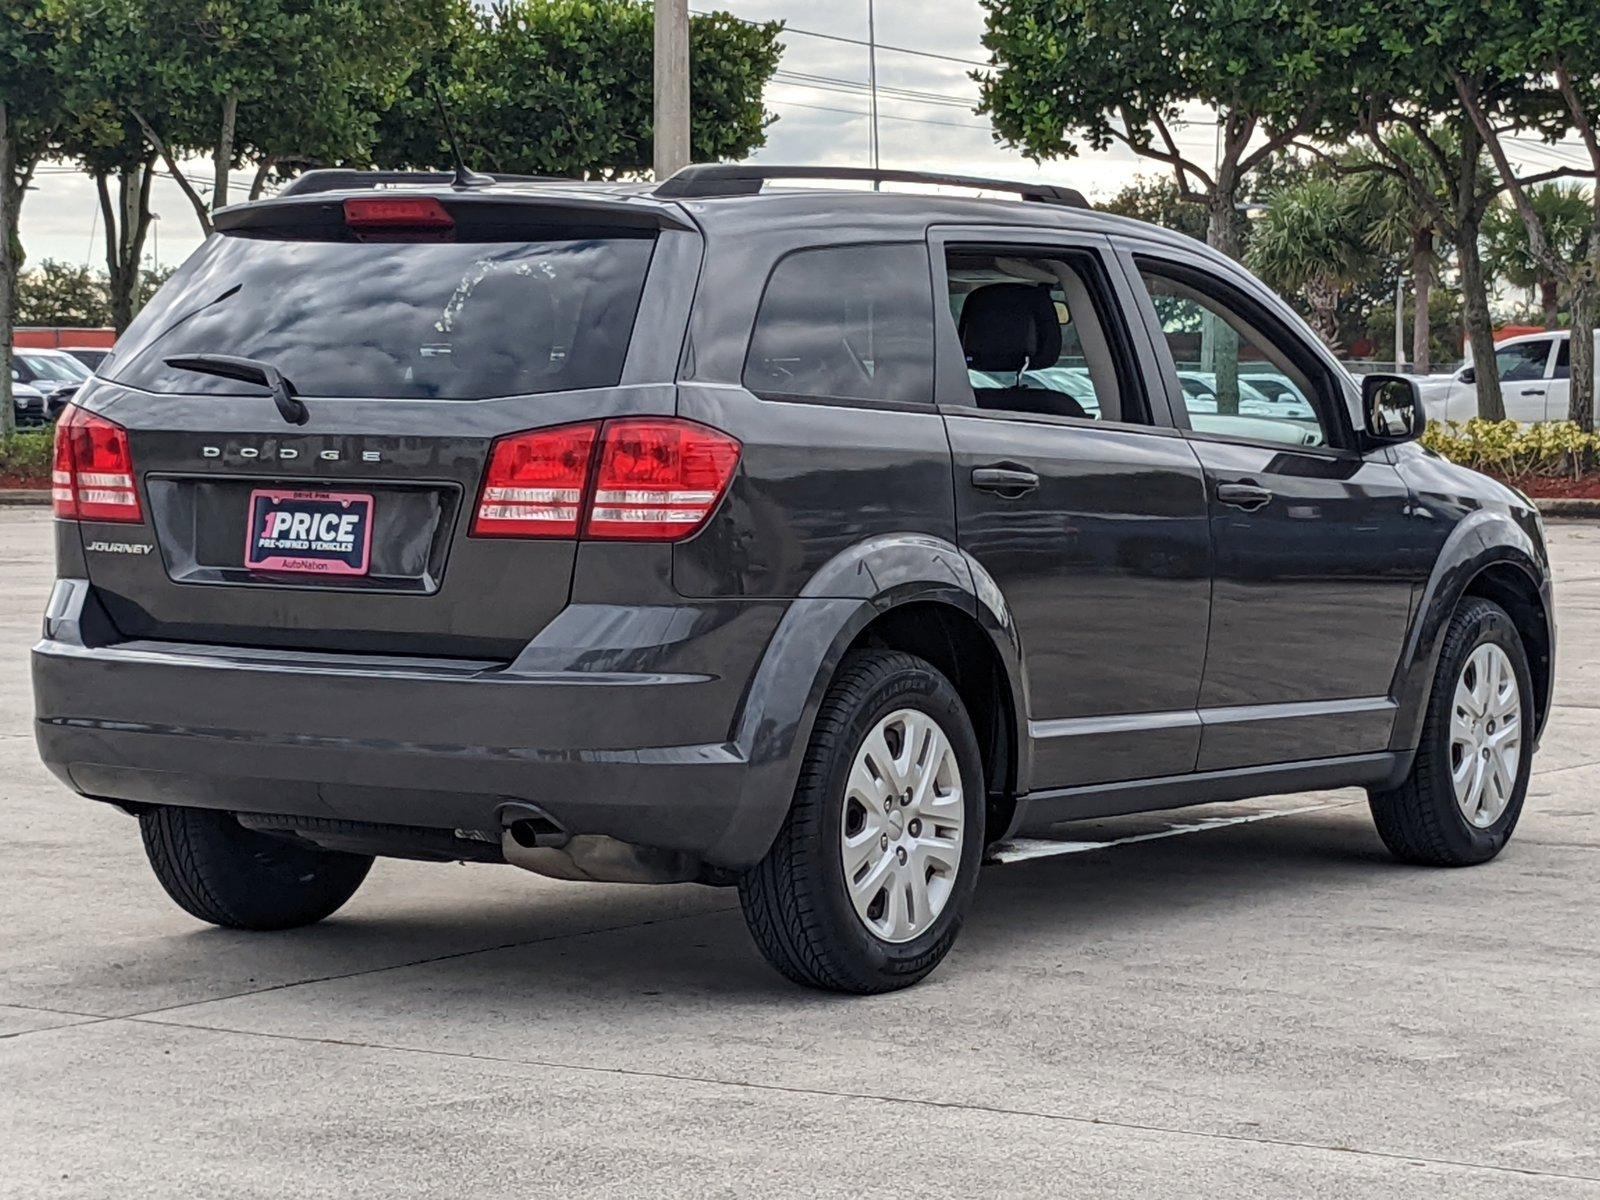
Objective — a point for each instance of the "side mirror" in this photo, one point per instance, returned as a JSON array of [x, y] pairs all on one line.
[[1468, 375], [1391, 406]]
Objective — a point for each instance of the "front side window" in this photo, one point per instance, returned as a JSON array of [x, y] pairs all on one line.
[[846, 323], [1237, 381], [1037, 335], [1523, 361], [1563, 359]]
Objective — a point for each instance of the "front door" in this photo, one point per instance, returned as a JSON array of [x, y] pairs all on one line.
[[1314, 566], [1085, 508]]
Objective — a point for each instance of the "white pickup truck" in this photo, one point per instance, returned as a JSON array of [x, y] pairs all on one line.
[[1535, 380]]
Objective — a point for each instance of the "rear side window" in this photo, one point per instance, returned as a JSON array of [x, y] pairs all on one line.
[[846, 323], [411, 320]]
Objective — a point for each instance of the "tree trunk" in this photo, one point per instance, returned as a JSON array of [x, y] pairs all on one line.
[[1550, 302], [1422, 286], [222, 158], [127, 221], [8, 276], [1219, 343], [1479, 327], [1585, 308]]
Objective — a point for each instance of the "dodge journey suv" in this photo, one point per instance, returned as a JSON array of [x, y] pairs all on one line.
[[802, 541]]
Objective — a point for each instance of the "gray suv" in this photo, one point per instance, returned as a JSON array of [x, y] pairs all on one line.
[[803, 541]]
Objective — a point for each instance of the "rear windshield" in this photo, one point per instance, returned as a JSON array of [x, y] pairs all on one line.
[[413, 320]]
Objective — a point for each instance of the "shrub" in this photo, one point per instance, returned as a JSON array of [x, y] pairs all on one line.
[[1511, 451], [27, 456]]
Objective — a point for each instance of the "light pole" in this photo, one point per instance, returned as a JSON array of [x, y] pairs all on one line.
[[671, 149], [872, 79]]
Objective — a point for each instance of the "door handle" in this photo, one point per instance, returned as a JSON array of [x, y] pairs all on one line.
[[1534, 392], [1243, 495], [1010, 482]]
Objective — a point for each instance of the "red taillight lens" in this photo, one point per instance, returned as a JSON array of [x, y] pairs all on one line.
[[396, 212], [92, 477], [535, 482], [658, 480]]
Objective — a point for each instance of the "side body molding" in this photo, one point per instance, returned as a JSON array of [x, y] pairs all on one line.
[[775, 720], [1485, 538]]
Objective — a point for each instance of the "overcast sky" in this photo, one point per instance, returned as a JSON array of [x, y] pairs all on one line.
[[820, 97]]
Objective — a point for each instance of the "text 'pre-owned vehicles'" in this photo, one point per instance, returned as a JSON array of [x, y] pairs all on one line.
[[802, 541]]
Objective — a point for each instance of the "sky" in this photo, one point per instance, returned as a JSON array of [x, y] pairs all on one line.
[[926, 49]]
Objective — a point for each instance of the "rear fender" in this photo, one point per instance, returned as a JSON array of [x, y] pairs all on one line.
[[780, 708]]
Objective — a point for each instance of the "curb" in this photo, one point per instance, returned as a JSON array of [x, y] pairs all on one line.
[[24, 497]]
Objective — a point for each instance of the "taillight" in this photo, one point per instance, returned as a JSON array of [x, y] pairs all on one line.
[[656, 479], [92, 476], [534, 484]]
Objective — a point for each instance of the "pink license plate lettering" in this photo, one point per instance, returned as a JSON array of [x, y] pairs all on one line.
[[309, 533]]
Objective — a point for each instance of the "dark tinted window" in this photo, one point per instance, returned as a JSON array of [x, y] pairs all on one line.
[[846, 322], [1523, 361], [1563, 359], [454, 320]]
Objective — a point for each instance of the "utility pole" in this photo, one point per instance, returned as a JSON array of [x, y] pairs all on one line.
[[872, 80], [671, 87], [1400, 325]]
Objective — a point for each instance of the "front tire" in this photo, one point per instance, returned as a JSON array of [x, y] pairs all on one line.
[[1461, 801], [219, 871], [867, 884]]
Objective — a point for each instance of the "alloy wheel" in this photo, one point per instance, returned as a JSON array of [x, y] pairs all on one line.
[[1485, 735]]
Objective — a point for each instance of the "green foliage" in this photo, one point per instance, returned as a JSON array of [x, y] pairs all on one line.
[[1512, 451], [563, 87], [26, 456], [1312, 241], [58, 293], [1565, 214]]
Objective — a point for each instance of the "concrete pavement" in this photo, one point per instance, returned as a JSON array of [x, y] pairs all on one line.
[[1271, 1008]]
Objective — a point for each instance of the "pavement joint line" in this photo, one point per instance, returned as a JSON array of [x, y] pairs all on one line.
[[1573, 767], [420, 962], [884, 1098], [6, 1037]]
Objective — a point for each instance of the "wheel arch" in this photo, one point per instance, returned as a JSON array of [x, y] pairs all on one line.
[[910, 592], [1493, 557]]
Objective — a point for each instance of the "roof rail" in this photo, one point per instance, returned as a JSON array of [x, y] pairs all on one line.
[[338, 179], [702, 180]]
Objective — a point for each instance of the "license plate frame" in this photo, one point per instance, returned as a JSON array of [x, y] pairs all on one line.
[[298, 548]]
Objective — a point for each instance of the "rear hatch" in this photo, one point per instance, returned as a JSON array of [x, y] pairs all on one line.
[[412, 345]]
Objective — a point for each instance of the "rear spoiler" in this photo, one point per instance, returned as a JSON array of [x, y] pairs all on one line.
[[320, 206]]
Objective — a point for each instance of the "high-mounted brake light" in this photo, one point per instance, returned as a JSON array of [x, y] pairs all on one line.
[[656, 480], [396, 212], [92, 477], [535, 482]]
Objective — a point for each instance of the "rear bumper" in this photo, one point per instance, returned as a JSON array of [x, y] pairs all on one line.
[[653, 758]]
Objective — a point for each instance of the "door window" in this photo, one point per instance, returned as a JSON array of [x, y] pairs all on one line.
[[1563, 359], [1237, 381], [1522, 361], [1038, 337], [846, 323]]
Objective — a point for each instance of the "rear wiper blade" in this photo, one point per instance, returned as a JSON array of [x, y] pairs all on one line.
[[248, 370]]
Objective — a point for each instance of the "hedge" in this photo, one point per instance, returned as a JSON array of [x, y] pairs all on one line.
[[1553, 449], [27, 455]]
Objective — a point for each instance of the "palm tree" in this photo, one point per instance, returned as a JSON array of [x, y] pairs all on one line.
[[1565, 213], [1311, 241]]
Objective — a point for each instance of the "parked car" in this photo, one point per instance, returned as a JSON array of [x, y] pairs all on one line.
[[30, 405], [57, 376], [1535, 381], [710, 532], [89, 356]]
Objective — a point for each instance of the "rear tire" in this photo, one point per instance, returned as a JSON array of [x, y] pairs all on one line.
[[1450, 811], [219, 871], [834, 904]]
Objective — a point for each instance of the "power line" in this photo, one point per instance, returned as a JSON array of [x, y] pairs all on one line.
[[858, 112], [837, 37]]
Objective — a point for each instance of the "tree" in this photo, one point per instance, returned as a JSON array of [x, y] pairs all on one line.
[[560, 88], [58, 293], [1402, 228], [1107, 72], [1563, 213], [30, 110], [1158, 201], [251, 81], [1312, 240]]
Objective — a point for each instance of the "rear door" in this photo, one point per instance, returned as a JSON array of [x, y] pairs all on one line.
[[1558, 400], [412, 350], [1078, 498], [1524, 368], [1315, 556]]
